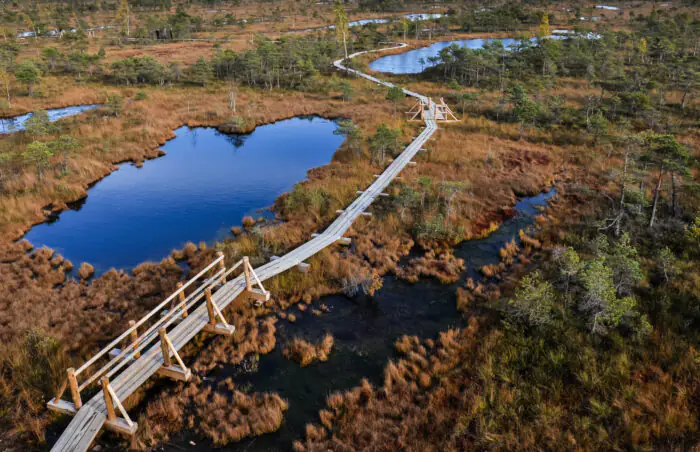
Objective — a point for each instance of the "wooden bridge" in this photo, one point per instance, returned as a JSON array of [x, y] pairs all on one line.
[[175, 321]]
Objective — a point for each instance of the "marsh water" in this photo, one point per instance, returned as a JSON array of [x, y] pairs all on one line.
[[204, 185], [418, 60], [9, 125], [364, 329], [410, 62]]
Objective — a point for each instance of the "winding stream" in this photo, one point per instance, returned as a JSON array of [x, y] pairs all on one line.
[[364, 329], [17, 123]]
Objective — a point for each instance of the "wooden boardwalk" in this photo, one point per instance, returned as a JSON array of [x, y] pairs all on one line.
[[91, 417]]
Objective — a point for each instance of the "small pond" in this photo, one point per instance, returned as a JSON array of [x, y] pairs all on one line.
[[418, 60], [16, 124], [410, 62], [204, 185], [364, 329]]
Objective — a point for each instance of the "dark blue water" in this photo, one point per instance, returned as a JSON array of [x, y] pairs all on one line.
[[410, 62], [17, 123], [204, 185], [365, 330]]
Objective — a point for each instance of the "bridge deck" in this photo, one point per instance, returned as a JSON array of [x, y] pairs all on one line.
[[90, 419]]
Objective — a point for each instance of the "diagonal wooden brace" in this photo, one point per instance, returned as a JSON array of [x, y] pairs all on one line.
[[180, 372], [213, 326], [259, 294], [63, 406], [124, 424]]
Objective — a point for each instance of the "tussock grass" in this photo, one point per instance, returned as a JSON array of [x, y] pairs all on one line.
[[305, 353]]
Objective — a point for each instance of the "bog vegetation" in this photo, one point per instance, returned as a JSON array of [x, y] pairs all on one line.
[[583, 335]]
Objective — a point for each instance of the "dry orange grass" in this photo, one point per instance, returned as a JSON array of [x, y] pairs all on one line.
[[405, 412], [305, 353], [222, 414], [442, 265]]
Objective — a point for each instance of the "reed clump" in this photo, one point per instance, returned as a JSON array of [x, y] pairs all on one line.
[[225, 419], [248, 222], [220, 413], [252, 336], [441, 265], [305, 352], [409, 411], [86, 271]]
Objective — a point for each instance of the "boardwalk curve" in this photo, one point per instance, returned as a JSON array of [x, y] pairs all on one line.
[[91, 417]]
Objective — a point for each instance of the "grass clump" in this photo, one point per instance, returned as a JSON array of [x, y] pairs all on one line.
[[305, 352]]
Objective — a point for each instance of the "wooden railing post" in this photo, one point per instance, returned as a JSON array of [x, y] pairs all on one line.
[[210, 307], [222, 266], [111, 415], [221, 327], [181, 298], [246, 270], [73, 383], [134, 338], [164, 347]]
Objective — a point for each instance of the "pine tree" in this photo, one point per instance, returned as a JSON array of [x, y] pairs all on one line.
[[341, 25]]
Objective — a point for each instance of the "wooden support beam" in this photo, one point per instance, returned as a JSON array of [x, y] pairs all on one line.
[[213, 326], [111, 414], [123, 425], [164, 347], [181, 298], [222, 267], [210, 308], [73, 384], [246, 271], [59, 405], [257, 294], [134, 338], [303, 267], [180, 372], [120, 426]]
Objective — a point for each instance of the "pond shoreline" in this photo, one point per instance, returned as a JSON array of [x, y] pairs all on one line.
[[170, 179], [52, 210]]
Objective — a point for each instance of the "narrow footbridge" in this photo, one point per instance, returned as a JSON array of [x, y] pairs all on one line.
[[113, 374]]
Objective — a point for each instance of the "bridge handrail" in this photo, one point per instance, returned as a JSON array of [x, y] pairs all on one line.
[[134, 327], [139, 343]]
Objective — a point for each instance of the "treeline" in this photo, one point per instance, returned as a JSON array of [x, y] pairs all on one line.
[[288, 63]]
